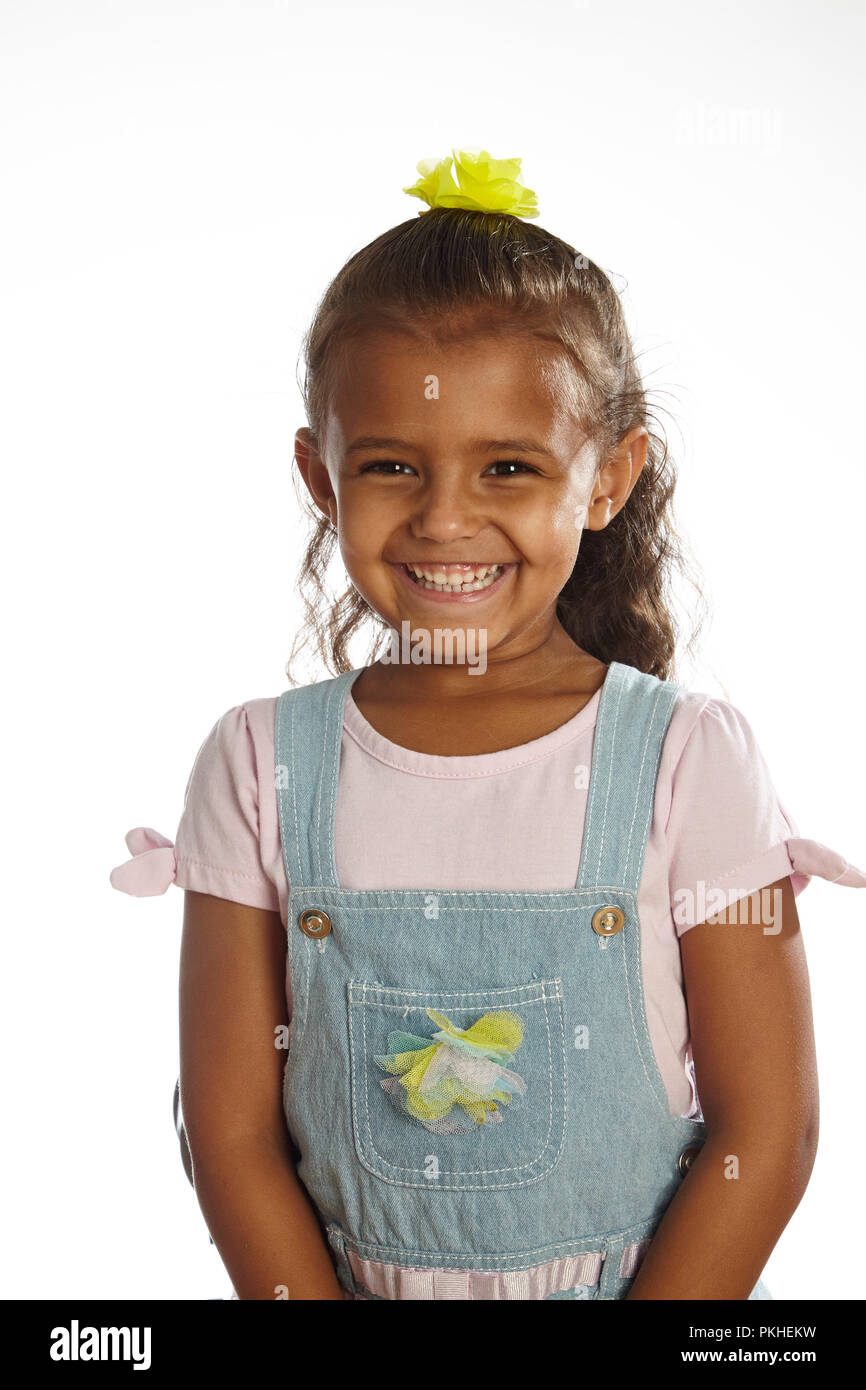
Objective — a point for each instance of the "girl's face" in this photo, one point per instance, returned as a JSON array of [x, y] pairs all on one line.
[[447, 460]]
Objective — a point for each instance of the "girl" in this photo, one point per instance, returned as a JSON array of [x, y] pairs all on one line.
[[480, 875]]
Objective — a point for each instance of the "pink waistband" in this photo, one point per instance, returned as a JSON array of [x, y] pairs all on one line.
[[556, 1276]]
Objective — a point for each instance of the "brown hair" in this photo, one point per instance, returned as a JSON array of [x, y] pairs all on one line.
[[449, 269]]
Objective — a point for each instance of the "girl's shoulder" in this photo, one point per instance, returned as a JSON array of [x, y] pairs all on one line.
[[217, 845], [713, 767], [710, 722], [726, 827]]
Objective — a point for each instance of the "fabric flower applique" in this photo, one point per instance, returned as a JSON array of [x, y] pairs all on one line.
[[456, 1079], [484, 184]]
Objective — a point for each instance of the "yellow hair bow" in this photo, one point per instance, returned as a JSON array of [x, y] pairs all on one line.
[[485, 184]]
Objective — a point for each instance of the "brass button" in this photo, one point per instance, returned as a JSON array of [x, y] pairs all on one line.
[[687, 1158], [314, 922], [608, 920]]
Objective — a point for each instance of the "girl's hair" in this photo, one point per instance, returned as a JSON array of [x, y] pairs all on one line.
[[451, 271]]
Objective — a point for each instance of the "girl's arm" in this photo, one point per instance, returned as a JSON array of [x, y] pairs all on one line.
[[751, 1024], [232, 1000]]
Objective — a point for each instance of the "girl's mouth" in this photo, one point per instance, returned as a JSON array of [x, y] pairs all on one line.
[[454, 583]]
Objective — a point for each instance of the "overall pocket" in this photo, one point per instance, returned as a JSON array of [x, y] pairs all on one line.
[[458, 1090]]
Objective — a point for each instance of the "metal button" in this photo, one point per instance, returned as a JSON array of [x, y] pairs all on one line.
[[608, 920], [687, 1158], [313, 921]]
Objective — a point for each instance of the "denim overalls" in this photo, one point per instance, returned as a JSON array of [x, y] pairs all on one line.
[[471, 1090]]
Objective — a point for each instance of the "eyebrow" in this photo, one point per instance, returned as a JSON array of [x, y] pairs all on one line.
[[476, 446]]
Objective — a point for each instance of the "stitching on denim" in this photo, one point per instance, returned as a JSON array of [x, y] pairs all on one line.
[[297, 1012], [607, 728], [482, 1264], [291, 762], [300, 968], [605, 1240], [455, 1173], [635, 955], [565, 1077], [531, 1256], [536, 992], [336, 701], [356, 1107], [646, 796], [401, 1008], [610, 1277], [610, 747], [331, 741], [282, 812], [463, 1187], [603, 747], [669, 691], [305, 959], [322, 791]]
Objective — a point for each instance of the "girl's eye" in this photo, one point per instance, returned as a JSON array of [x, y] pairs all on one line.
[[513, 463], [383, 463]]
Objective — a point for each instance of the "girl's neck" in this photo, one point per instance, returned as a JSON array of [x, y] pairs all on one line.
[[541, 662], [443, 710]]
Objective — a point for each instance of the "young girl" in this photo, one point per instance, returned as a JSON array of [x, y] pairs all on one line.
[[480, 875]]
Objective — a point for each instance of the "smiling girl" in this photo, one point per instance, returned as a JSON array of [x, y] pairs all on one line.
[[473, 896]]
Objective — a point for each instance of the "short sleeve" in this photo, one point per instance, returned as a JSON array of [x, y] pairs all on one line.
[[217, 845], [728, 834]]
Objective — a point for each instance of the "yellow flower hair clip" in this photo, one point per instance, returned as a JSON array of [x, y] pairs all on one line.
[[483, 184]]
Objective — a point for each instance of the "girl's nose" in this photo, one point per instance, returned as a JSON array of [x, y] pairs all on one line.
[[445, 511]]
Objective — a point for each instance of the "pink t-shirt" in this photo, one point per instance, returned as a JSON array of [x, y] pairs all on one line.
[[506, 820]]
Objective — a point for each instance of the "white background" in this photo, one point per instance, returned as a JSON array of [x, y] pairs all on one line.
[[181, 180]]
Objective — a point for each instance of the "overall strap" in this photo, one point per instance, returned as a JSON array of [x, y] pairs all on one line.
[[308, 731], [633, 716]]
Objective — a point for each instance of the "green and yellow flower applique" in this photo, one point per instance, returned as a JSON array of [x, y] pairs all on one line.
[[456, 1079], [484, 184]]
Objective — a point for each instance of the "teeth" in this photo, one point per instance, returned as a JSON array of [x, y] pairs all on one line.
[[468, 581]]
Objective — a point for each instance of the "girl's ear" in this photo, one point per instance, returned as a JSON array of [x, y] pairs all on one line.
[[314, 472], [616, 478]]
